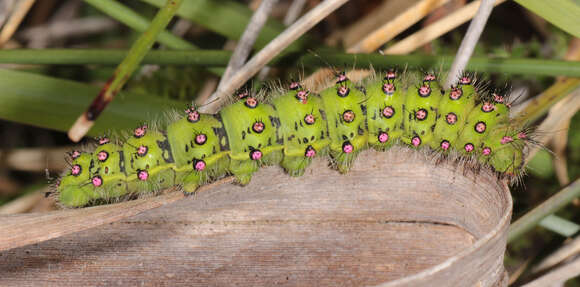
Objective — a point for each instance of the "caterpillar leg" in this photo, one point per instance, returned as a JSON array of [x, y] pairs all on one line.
[[243, 170]]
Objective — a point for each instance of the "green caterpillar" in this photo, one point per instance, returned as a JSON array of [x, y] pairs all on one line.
[[292, 129]]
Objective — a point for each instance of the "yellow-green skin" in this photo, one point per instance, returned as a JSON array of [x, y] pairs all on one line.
[[454, 109], [347, 139], [303, 128], [385, 113], [291, 130], [77, 190], [239, 119], [188, 151], [421, 111]]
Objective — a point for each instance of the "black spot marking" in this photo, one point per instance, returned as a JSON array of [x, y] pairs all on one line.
[[166, 148]]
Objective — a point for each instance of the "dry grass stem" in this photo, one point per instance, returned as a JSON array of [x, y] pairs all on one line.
[[14, 21], [558, 115], [270, 51], [436, 29], [393, 26], [563, 253], [468, 43], [21, 204], [35, 159], [41, 36], [24, 229], [558, 275], [246, 43]]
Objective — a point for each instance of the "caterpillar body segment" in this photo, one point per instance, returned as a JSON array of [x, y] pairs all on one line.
[[303, 128], [108, 163], [199, 147], [385, 101], [149, 163], [291, 130], [75, 188], [454, 107], [345, 108], [421, 110], [252, 130]]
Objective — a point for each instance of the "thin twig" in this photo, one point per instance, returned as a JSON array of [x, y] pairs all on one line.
[[247, 40], [270, 51], [393, 26], [469, 41], [558, 114], [566, 251], [14, 21], [558, 275], [436, 29], [124, 71], [551, 205], [294, 12], [64, 29]]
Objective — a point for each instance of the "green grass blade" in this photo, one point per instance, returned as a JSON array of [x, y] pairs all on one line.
[[564, 14], [219, 58], [229, 19], [55, 104], [559, 225], [551, 205], [125, 15]]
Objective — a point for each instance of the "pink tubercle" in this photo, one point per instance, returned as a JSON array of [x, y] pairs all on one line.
[[102, 155], [103, 140], [255, 155], [75, 170], [487, 107], [429, 78], [294, 86], [142, 150], [389, 89], [251, 102], [445, 145], [456, 93], [258, 127], [465, 80], [97, 181], [140, 131], [480, 127], [421, 114], [193, 116], [424, 91], [468, 147], [309, 119], [200, 139], [143, 175], [383, 137], [390, 75], [416, 141], [342, 91], [243, 94], [451, 118], [497, 98], [75, 154], [348, 116], [310, 152], [506, 139], [522, 135], [388, 112], [486, 151], [302, 96], [341, 78], [199, 165], [347, 147]]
